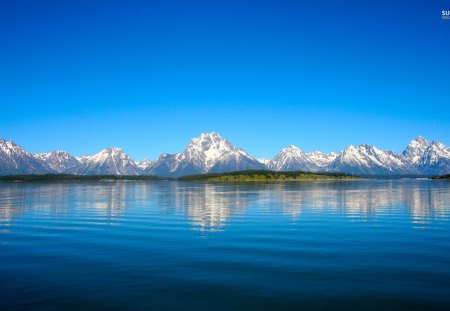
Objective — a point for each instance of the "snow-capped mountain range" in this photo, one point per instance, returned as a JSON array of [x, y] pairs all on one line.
[[210, 153], [15, 160], [110, 161], [58, 161]]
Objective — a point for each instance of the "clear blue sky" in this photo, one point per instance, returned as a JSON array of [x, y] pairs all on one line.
[[148, 75]]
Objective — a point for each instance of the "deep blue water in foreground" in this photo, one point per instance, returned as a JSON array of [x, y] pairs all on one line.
[[364, 245]]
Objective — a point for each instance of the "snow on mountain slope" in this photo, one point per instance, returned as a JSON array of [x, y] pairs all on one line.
[[83, 159], [263, 161], [236, 161], [415, 150], [145, 164], [322, 159], [292, 159], [366, 159], [207, 153], [435, 160], [15, 160], [58, 161], [211, 153], [110, 161], [163, 166], [428, 158], [435, 152]]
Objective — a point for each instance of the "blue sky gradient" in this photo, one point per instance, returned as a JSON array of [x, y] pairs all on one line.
[[148, 75]]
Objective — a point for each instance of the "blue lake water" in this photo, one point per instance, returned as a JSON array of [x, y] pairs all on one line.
[[330, 245]]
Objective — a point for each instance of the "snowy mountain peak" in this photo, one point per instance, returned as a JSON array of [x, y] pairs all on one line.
[[369, 149], [367, 159], [16, 160], [207, 149], [416, 150], [58, 161], [114, 153], [292, 158], [292, 150], [322, 159], [208, 141], [112, 150], [212, 136], [144, 164], [207, 153], [58, 153], [438, 145], [366, 147], [421, 140], [206, 138], [435, 152], [109, 161], [10, 147]]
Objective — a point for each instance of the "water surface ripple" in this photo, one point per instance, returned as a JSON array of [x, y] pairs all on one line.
[[366, 244]]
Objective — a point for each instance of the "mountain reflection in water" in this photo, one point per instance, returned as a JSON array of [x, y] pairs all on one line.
[[211, 206], [315, 245]]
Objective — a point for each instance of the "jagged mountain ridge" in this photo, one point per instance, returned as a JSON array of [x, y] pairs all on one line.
[[292, 158], [433, 158], [16, 160], [211, 153], [207, 153], [366, 159], [144, 163], [58, 161], [415, 150], [110, 161]]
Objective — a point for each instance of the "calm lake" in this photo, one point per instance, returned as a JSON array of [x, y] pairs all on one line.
[[330, 245]]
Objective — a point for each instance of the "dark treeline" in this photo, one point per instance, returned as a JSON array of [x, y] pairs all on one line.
[[68, 177], [447, 176]]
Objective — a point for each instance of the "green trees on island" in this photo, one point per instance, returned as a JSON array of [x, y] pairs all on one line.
[[262, 175]]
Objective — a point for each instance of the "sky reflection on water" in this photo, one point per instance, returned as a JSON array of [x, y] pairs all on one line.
[[368, 244], [210, 206]]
